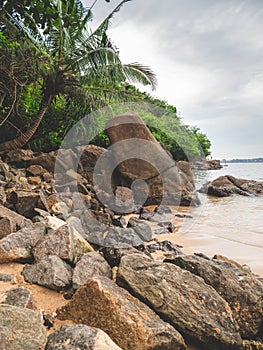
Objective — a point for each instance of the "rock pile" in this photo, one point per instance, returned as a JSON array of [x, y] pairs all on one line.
[[120, 296]]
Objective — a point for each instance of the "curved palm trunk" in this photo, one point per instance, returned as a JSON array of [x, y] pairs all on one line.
[[26, 136]]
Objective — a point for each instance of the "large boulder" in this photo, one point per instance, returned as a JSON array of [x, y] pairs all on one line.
[[131, 324], [227, 185], [80, 337], [140, 157], [242, 291], [21, 329], [181, 298]]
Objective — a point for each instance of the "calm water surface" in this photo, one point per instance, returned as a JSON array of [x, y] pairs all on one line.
[[232, 226]]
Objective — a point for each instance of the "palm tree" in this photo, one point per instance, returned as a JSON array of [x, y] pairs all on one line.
[[72, 57]]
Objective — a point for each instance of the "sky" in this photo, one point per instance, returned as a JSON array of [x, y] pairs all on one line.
[[208, 58]]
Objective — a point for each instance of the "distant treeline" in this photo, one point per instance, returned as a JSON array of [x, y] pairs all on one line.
[[252, 160]]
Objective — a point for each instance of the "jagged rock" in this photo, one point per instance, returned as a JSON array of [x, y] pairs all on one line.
[[140, 157], [227, 185], [168, 225], [142, 229], [161, 231], [145, 214], [19, 296], [163, 209], [19, 157], [118, 236], [242, 291], [21, 329], [124, 201], [88, 159], [34, 180], [18, 246], [57, 242], [89, 265], [80, 337], [165, 246], [25, 202], [10, 221], [183, 299], [35, 170], [46, 160], [131, 324], [252, 345], [81, 246], [51, 272], [114, 254]]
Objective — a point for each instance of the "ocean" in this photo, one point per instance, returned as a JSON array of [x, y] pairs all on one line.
[[229, 226]]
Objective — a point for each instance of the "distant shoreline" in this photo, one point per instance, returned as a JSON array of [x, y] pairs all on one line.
[[251, 160]]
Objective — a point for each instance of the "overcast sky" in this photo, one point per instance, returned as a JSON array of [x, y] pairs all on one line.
[[208, 58]]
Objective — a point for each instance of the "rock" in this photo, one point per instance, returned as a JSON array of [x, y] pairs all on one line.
[[142, 161], [35, 170], [19, 296], [142, 229], [165, 246], [21, 329], [242, 291], [131, 324], [119, 221], [161, 231], [18, 246], [227, 185], [252, 345], [88, 159], [163, 209], [186, 168], [167, 225], [25, 202], [213, 164], [6, 278], [53, 222], [156, 218], [51, 272], [2, 194], [46, 160], [114, 254], [80, 337], [19, 157], [34, 180], [57, 242], [124, 201], [89, 265], [117, 237], [181, 298], [81, 246], [10, 221], [145, 214]]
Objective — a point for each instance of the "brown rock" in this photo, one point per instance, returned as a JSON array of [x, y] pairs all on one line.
[[35, 170], [89, 156], [140, 157], [181, 298], [46, 160], [242, 291], [34, 180], [10, 221], [227, 185], [131, 324]]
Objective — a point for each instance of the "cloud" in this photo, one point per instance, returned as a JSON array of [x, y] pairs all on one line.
[[208, 60]]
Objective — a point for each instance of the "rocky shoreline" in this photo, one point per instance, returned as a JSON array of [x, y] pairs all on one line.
[[75, 274], [112, 296]]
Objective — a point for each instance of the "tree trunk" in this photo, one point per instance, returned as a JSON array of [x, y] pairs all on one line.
[[26, 136]]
